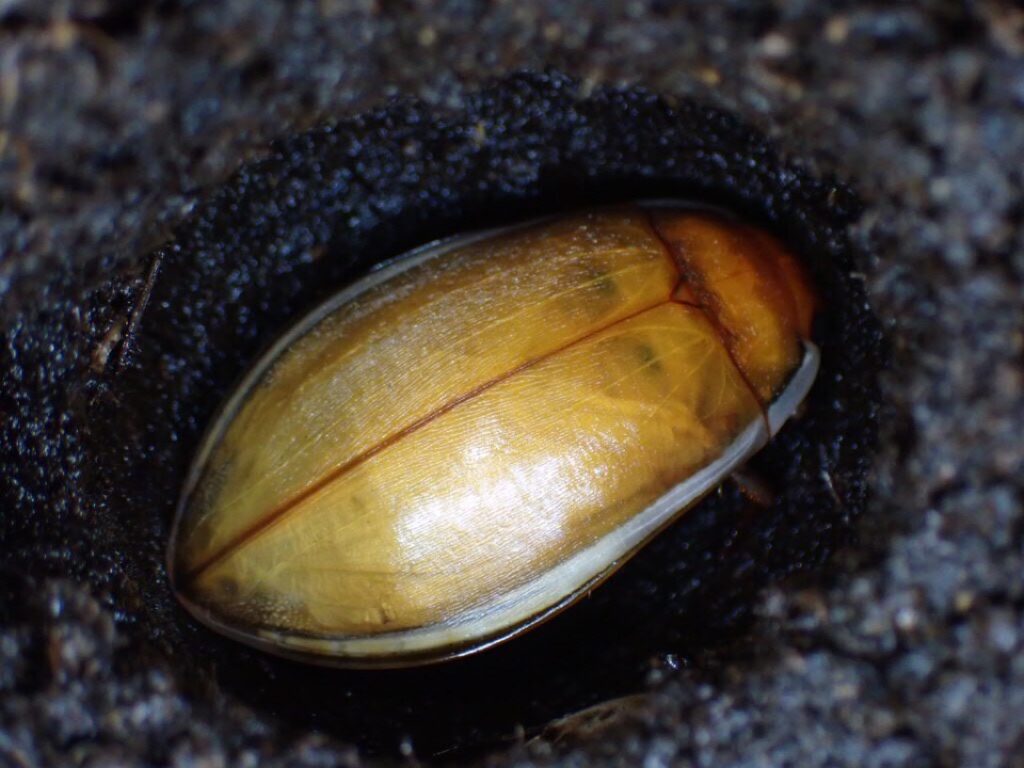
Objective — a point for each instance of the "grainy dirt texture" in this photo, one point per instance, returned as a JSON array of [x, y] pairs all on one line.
[[122, 124]]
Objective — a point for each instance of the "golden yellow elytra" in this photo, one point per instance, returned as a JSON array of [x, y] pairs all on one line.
[[462, 443]]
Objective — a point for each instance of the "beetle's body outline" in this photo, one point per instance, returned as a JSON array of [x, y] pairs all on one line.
[[422, 645]]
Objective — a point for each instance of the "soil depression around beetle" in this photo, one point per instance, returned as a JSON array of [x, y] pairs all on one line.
[[321, 209]]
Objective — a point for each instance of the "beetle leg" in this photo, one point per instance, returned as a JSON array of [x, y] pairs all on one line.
[[753, 486]]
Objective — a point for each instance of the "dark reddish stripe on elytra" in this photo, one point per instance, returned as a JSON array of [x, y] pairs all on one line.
[[276, 514]]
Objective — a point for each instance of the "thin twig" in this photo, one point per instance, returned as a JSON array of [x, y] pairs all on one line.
[[136, 315]]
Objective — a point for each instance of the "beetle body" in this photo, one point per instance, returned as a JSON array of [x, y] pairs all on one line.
[[464, 442]]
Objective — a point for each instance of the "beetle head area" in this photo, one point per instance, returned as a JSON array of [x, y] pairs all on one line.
[[111, 383]]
